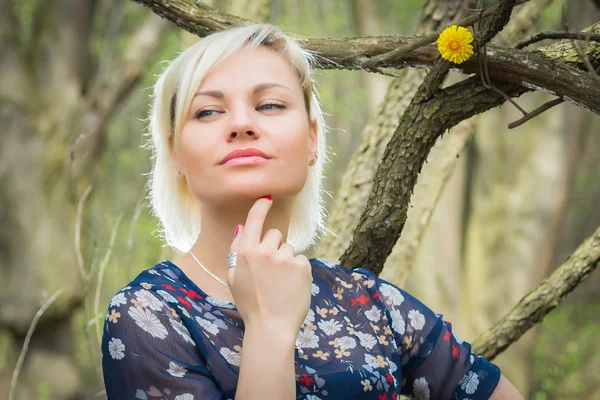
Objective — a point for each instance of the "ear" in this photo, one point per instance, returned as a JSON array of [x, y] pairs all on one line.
[[313, 138]]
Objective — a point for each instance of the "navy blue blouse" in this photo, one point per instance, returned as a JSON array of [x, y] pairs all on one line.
[[363, 338]]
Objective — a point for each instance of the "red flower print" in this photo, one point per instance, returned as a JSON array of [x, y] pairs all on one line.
[[306, 380], [455, 351], [353, 303], [377, 296], [382, 397], [184, 302], [394, 395], [363, 299], [191, 294], [168, 287], [388, 377], [447, 336]]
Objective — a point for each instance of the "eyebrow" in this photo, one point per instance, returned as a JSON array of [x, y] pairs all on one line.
[[258, 88]]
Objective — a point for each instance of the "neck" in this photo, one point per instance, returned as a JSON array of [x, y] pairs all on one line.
[[218, 228]]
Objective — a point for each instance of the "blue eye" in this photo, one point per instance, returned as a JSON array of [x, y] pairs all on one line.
[[271, 106], [204, 113]]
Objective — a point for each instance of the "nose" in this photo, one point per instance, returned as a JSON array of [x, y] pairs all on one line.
[[242, 125]]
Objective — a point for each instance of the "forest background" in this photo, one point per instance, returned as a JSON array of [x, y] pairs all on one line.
[[485, 227]]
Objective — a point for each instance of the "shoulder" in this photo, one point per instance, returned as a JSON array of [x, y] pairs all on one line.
[[338, 272]]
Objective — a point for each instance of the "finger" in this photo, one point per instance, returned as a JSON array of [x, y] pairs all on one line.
[[273, 239], [287, 249], [255, 222], [235, 244]]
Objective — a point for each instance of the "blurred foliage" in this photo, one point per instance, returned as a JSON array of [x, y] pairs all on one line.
[[566, 361]]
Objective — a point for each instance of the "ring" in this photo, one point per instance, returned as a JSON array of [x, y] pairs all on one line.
[[232, 259]]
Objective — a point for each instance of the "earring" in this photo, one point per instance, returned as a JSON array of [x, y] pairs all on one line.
[[179, 172], [312, 161]]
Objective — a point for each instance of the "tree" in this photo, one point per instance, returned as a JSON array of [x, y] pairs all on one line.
[[558, 68], [63, 75]]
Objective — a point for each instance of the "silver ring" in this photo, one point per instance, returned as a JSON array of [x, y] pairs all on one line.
[[232, 259]]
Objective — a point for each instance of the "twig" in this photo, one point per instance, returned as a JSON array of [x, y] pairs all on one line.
[[101, 273], [84, 276], [36, 318], [536, 112], [557, 35], [581, 54], [381, 59]]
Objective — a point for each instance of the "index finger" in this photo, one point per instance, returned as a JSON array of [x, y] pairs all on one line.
[[255, 221]]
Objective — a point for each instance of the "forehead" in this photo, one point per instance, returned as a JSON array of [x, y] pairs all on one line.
[[247, 67]]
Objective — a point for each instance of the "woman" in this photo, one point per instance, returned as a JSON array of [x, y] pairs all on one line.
[[238, 143]]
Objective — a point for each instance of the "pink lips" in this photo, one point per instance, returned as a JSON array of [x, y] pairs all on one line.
[[244, 156]]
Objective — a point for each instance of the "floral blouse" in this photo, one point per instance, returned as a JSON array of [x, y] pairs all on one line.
[[363, 338]]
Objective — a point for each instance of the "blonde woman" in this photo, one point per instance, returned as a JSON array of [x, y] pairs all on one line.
[[238, 144]]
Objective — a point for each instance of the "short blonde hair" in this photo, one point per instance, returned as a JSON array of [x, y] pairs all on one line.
[[170, 199]]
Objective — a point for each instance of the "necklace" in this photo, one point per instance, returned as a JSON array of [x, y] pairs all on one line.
[[297, 345]]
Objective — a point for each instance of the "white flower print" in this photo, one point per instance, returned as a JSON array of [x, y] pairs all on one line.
[[367, 340], [148, 322], [347, 342], [310, 317], [118, 300], [472, 358], [208, 325], [392, 366], [470, 382], [398, 324], [167, 296], [219, 303], [417, 320], [330, 327], [148, 300], [374, 314], [185, 396], [116, 348], [232, 357], [391, 293], [315, 289], [327, 263], [371, 361], [458, 339], [421, 389], [176, 370], [307, 339], [312, 397], [182, 330]]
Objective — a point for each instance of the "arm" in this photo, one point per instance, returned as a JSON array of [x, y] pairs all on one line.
[[506, 391], [148, 353], [266, 352], [434, 360]]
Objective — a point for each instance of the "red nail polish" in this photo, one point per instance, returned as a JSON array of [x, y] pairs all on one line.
[[268, 198], [237, 229]]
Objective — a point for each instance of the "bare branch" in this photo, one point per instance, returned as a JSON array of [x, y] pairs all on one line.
[[36, 318], [539, 302], [530, 115], [383, 219], [356, 53], [557, 35]]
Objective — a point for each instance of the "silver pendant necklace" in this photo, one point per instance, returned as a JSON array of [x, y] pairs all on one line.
[[296, 345]]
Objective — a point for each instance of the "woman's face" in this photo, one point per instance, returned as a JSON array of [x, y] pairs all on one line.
[[251, 100]]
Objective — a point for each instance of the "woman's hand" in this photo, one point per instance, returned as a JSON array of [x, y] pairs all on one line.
[[270, 285]]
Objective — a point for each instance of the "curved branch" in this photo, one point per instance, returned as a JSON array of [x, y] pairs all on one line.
[[539, 302], [510, 65]]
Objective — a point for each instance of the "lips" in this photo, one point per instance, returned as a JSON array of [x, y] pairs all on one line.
[[244, 153]]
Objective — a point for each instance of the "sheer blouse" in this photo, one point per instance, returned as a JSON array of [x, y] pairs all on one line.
[[363, 338]]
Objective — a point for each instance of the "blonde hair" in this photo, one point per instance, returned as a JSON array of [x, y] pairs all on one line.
[[170, 199]]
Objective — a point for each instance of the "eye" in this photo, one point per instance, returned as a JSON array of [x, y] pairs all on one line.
[[271, 106], [205, 113]]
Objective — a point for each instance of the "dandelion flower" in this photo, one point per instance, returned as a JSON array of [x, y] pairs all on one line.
[[454, 44]]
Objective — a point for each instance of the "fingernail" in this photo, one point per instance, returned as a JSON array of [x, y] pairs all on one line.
[[237, 229], [267, 197]]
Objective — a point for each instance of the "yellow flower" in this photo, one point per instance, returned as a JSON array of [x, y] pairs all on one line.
[[454, 44]]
